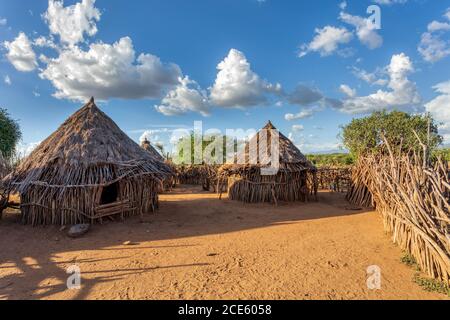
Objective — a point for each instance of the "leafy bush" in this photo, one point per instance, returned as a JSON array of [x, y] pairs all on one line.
[[331, 160], [365, 135], [10, 134]]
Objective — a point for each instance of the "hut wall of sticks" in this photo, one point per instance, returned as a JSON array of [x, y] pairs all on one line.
[[295, 180], [203, 174], [413, 197], [86, 171], [336, 179]]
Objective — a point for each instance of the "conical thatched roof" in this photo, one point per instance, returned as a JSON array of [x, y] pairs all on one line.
[[289, 154], [88, 149], [146, 145]]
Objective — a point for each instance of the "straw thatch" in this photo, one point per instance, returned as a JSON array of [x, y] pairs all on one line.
[[146, 145], [295, 180], [85, 171], [170, 181]]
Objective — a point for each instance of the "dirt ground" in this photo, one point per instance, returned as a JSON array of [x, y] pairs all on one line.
[[198, 247]]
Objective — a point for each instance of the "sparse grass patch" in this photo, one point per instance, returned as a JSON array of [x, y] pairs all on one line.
[[409, 260], [432, 285]]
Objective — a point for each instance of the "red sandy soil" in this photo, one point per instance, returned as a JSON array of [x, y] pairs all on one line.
[[199, 247]]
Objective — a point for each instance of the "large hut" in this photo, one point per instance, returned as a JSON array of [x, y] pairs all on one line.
[[86, 171], [295, 180]]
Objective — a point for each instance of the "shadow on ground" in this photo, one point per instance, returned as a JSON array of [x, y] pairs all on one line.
[[184, 213]]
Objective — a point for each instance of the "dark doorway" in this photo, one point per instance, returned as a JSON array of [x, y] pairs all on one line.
[[110, 194]]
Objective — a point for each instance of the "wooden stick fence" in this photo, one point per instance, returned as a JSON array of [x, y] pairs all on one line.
[[414, 200]]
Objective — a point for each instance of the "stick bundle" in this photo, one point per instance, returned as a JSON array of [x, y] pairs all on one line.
[[414, 200]]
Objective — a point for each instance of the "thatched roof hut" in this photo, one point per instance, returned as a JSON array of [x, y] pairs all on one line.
[[146, 145], [294, 181], [87, 170]]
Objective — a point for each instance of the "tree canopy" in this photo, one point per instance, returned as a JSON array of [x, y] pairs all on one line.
[[366, 134], [10, 134]]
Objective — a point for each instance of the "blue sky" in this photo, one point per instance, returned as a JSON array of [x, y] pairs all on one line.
[[309, 66]]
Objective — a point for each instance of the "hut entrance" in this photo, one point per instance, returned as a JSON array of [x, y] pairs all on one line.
[[110, 194]]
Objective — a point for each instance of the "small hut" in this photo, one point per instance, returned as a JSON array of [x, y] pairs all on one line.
[[294, 181], [171, 180], [86, 171]]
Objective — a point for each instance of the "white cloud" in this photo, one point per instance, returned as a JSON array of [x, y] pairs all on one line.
[[365, 31], [25, 149], [434, 44], [7, 80], [326, 41], [21, 54], [303, 114], [152, 136], [343, 5], [433, 48], [440, 110], [186, 97], [298, 128], [109, 71], [349, 92], [3, 21], [372, 78], [44, 42], [438, 26], [402, 92], [319, 147], [389, 2], [237, 85], [72, 22]]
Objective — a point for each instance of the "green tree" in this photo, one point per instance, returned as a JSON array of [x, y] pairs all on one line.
[[10, 134], [366, 134], [183, 154]]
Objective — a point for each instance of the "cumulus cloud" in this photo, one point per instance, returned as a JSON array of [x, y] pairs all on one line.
[[349, 92], [440, 110], [44, 42], [326, 41], [72, 22], [109, 71], [365, 31], [3, 21], [372, 78], [435, 43], [186, 97], [237, 85], [20, 53], [401, 93]]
